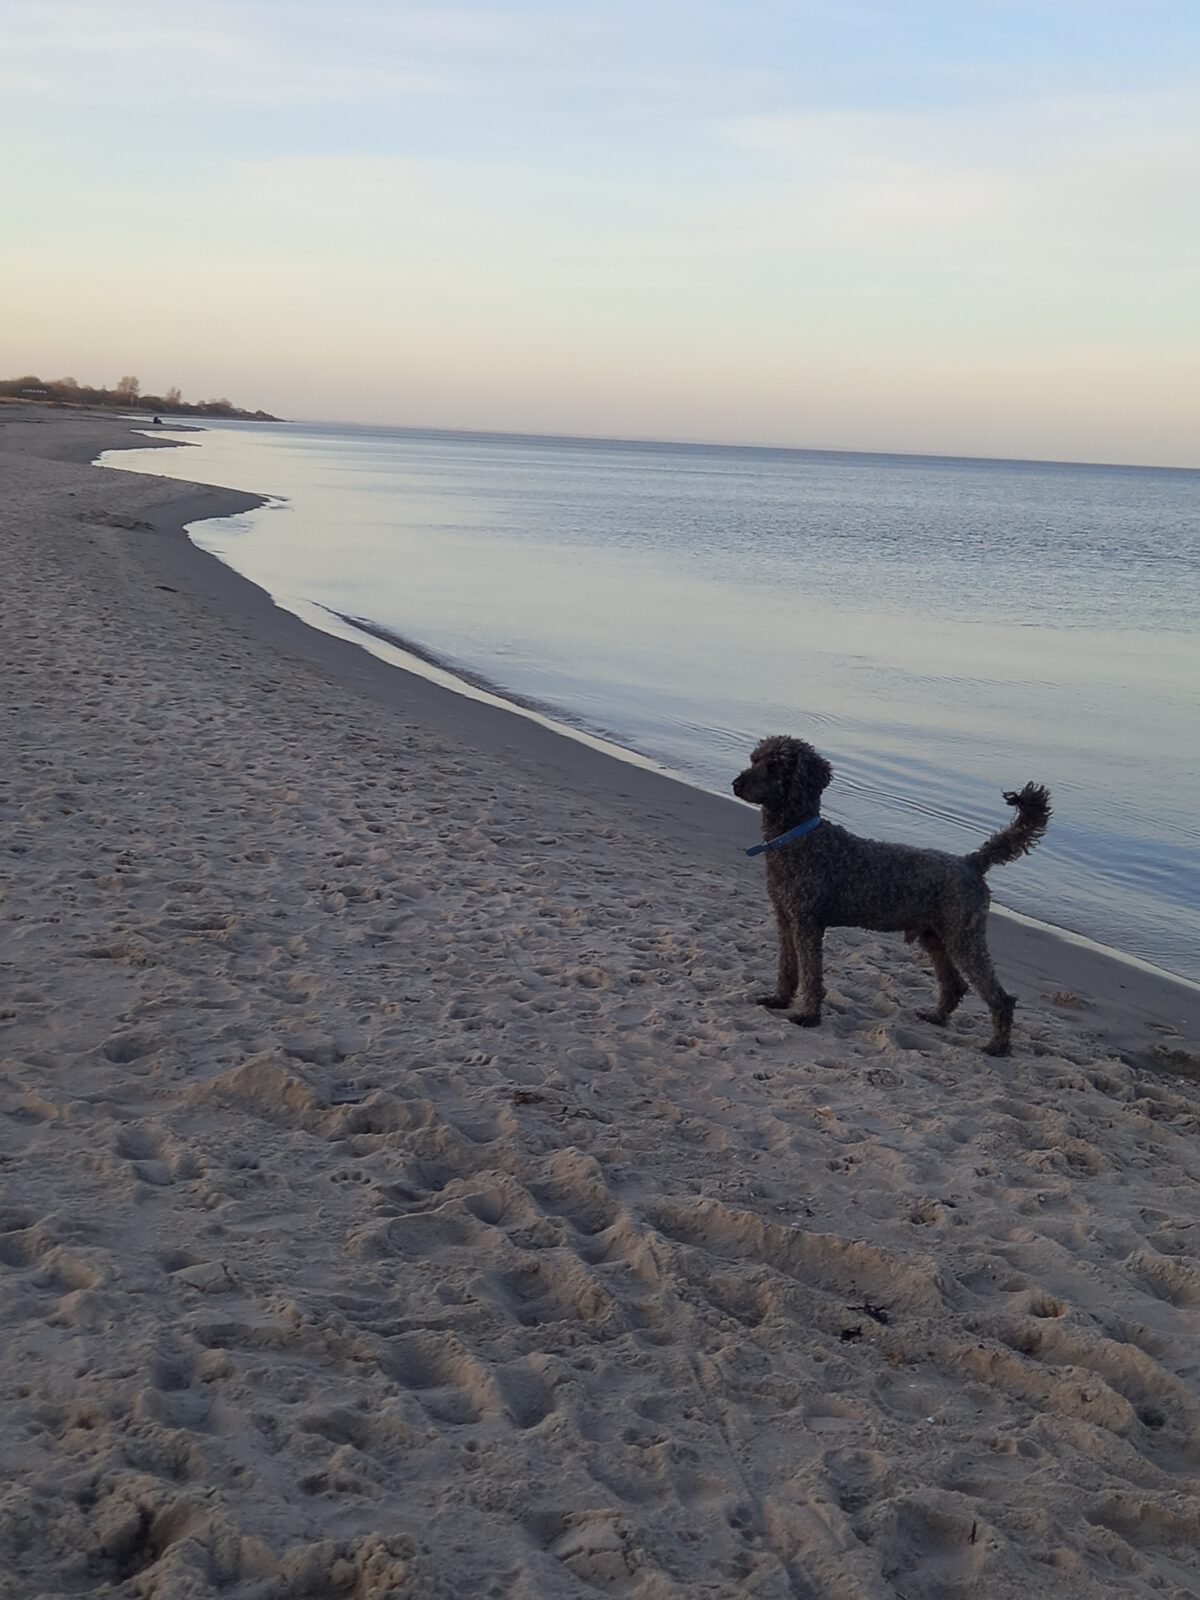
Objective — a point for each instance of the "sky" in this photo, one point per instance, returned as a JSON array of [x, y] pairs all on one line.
[[945, 226]]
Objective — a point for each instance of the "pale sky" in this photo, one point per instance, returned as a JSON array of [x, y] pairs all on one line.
[[959, 226]]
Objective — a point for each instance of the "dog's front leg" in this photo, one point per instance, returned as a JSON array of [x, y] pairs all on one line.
[[785, 985], [808, 941]]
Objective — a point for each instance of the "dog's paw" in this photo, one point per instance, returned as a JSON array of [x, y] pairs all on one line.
[[996, 1047], [806, 1019], [937, 1018], [773, 1002]]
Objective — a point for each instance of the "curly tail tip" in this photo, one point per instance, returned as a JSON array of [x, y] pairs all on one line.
[[1032, 805]]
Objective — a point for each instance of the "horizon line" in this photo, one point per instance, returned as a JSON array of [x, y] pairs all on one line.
[[723, 444]]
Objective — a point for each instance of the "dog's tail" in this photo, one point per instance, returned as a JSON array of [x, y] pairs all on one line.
[[1031, 822]]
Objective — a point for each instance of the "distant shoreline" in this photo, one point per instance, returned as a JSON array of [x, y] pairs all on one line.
[[199, 412], [69, 394]]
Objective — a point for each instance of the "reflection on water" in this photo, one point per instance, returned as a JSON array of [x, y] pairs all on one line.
[[943, 630]]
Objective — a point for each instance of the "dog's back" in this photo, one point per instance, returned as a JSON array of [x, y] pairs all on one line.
[[849, 882]]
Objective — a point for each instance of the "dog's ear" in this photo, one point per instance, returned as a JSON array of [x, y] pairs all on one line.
[[811, 774]]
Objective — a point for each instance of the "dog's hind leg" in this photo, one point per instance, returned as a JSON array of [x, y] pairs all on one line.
[[785, 987], [951, 984], [970, 954]]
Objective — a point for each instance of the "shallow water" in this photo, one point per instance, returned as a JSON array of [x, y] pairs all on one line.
[[942, 629]]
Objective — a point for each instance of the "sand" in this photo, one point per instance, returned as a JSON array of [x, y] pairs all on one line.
[[400, 1197]]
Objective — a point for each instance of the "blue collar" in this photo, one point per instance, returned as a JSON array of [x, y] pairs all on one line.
[[785, 838]]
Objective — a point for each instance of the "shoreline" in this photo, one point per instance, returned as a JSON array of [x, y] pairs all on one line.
[[403, 1195], [1040, 954], [478, 686], [1127, 890], [1037, 955]]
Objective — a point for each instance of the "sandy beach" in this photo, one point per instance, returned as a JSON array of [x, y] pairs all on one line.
[[400, 1195]]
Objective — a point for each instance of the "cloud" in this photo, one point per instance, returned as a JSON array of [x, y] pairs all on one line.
[[101, 53], [1042, 187], [278, 52]]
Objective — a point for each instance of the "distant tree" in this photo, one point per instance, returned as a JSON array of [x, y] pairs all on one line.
[[127, 394]]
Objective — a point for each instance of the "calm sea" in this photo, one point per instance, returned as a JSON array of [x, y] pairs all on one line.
[[942, 629]]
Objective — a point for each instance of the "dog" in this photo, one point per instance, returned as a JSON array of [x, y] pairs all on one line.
[[821, 876]]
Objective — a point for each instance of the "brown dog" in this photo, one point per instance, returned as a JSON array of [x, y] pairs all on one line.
[[820, 876]]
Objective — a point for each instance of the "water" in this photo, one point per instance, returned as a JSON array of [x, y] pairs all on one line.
[[941, 629]]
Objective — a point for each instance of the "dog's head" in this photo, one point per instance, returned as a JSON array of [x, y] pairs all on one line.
[[784, 775]]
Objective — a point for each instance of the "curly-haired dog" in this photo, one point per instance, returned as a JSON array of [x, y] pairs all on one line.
[[820, 876]]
